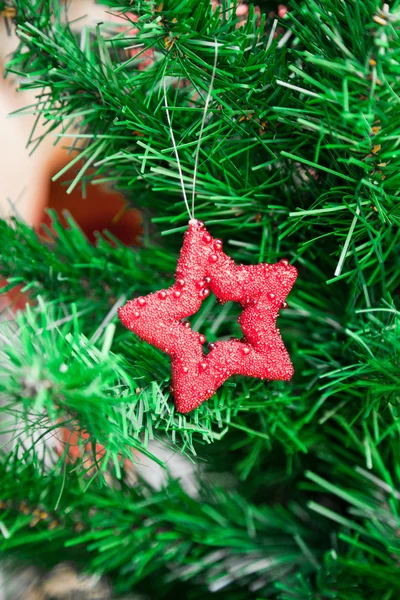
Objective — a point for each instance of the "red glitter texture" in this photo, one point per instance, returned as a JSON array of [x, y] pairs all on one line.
[[260, 289]]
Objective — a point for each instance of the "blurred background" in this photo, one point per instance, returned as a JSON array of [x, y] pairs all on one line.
[[27, 169]]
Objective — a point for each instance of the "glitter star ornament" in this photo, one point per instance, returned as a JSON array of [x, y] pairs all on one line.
[[203, 267]]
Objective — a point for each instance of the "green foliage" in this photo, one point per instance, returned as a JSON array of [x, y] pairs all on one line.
[[299, 158], [217, 539], [132, 534], [52, 373]]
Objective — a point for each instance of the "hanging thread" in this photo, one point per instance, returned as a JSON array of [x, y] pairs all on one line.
[[196, 160]]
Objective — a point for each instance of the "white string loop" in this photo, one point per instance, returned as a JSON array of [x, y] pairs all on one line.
[[176, 152], [196, 160]]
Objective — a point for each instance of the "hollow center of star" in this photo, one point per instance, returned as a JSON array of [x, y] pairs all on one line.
[[216, 322]]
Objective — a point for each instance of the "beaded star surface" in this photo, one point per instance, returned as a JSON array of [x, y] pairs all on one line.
[[203, 267]]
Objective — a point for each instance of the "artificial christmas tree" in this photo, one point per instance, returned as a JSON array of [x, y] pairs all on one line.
[[298, 485]]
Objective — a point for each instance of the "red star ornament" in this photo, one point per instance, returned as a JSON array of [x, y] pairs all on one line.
[[202, 268]]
